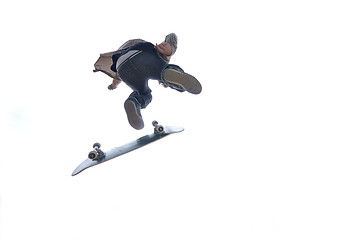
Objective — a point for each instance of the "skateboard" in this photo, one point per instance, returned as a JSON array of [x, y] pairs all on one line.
[[97, 156]]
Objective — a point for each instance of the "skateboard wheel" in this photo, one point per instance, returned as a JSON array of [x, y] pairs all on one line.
[[154, 123], [159, 129], [96, 145], [93, 155]]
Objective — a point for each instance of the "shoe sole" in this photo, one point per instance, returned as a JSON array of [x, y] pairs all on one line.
[[133, 118], [185, 80]]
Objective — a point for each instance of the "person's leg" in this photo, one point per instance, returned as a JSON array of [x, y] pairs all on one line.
[[136, 71], [132, 107], [174, 77]]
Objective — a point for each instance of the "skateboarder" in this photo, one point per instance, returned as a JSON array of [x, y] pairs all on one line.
[[135, 63]]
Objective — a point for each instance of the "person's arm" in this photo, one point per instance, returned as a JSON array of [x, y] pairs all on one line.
[[130, 43]]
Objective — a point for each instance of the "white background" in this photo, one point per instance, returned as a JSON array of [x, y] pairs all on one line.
[[271, 147]]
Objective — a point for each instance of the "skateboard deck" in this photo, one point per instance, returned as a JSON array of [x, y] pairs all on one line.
[[97, 156]]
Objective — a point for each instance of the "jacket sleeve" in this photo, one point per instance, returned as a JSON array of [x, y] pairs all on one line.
[[143, 46], [129, 43], [105, 61]]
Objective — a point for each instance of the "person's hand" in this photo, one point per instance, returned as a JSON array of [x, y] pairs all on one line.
[[163, 84], [111, 87], [114, 84]]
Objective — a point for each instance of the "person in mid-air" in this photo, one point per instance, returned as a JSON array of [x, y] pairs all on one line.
[[135, 63]]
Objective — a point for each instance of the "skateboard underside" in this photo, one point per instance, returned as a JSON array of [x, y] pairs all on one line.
[[100, 157]]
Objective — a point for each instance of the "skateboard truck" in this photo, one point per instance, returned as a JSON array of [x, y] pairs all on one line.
[[157, 128], [96, 153]]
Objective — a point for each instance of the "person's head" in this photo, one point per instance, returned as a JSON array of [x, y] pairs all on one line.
[[172, 40], [168, 47]]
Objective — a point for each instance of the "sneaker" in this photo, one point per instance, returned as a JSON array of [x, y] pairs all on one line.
[[182, 81], [132, 108]]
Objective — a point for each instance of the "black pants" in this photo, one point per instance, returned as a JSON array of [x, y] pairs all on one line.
[[137, 71]]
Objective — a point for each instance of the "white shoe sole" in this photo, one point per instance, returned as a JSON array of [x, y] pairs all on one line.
[[185, 80], [134, 119]]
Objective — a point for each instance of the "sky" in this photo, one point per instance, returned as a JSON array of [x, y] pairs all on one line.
[[271, 147]]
